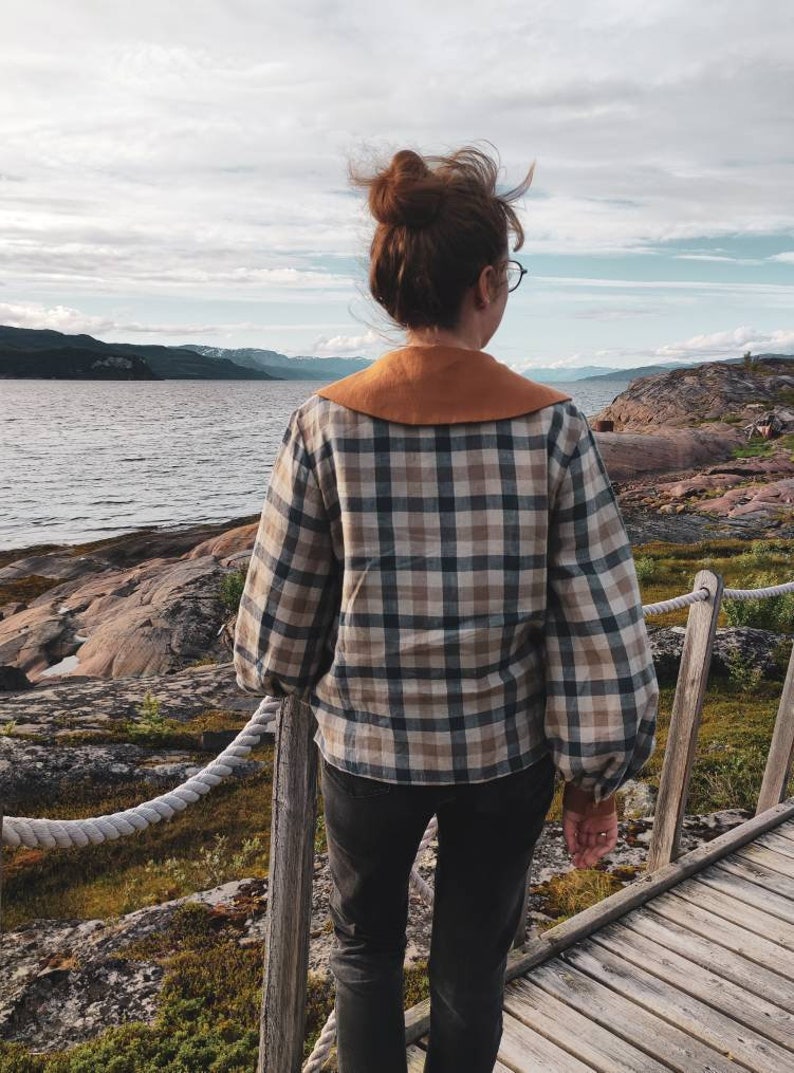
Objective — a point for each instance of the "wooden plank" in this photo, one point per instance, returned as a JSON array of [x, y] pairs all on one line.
[[787, 831], [416, 1061], [290, 891], [758, 874], [723, 905], [682, 735], [759, 854], [722, 932], [525, 1051], [777, 905], [781, 751], [691, 1015], [647, 887], [726, 963], [564, 1025], [779, 843], [666, 1042], [736, 1002]]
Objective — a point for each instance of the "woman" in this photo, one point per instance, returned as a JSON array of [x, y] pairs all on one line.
[[442, 572]]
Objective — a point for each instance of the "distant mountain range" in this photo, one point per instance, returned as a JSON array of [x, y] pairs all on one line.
[[44, 354], [30, 353], [282, 367]]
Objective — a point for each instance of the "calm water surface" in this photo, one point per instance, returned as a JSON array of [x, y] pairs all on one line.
[[81, 460]]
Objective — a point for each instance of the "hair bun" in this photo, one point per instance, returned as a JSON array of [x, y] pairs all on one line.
[[407, 193]]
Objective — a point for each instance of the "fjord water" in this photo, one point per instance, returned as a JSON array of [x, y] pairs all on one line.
[[86, 459]]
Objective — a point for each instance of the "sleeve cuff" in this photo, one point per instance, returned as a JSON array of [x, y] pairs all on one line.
[[594, 803]]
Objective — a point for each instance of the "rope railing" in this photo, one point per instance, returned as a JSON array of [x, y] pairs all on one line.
[[677, 603], [49, 834]]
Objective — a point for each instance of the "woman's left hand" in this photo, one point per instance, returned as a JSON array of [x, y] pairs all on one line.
[[590, 832]]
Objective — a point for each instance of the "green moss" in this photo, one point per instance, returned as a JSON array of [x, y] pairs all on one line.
[[25, 589], [207, 1020]]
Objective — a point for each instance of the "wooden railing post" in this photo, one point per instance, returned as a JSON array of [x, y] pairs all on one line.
[[781, 751], [289, 891], [685, 722]]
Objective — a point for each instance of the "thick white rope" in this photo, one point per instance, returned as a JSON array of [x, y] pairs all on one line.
[[420, 885], [322, 1047], [63, 833], [679, 602], [676, 603], [757, 594]]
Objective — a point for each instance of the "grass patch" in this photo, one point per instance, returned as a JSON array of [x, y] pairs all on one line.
[[174, 734], [765, 448], [733, 743], [230, 589], [562, 897], [224, 836]]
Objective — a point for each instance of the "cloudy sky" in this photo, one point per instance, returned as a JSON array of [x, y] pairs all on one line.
[[175, 171]]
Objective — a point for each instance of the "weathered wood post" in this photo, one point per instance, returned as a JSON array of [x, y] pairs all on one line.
[[684, 722], [289, 891], [781, 751]]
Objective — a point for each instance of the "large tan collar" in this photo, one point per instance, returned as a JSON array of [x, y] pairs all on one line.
[[440, 385]]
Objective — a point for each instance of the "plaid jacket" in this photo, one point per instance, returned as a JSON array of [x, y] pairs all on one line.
[[453, 600]]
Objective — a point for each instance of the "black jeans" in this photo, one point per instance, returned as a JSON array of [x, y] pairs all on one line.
[[486, 835]]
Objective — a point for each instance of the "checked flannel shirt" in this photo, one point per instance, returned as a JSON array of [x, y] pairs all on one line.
[[454, 598]]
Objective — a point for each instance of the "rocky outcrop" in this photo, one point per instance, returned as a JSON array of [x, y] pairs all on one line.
[[709, 392], [141, 605], [228, 547], [66, 735], [744, 497], [150, 619], [672, 450], [757, 651], [94, 705]]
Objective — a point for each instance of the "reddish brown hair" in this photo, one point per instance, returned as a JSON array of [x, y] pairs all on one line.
[[440, 221]]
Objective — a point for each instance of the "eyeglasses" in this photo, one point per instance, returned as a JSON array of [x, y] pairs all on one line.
[[515, 273]]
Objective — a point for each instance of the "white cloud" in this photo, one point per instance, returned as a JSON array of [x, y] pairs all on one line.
[[61, 318], [786, 258], [344, 345], [730, 343]]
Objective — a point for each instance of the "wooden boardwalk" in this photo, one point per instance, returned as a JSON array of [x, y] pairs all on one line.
[[689, 969]]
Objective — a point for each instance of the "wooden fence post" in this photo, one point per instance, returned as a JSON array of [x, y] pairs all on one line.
[[685, 722], [781, 751], [289, 891]]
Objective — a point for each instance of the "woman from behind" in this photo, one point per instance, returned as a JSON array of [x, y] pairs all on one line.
[[442, 572]]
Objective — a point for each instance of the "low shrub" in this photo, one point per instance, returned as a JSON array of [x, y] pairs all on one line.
[[646, 568], [231, 587]]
